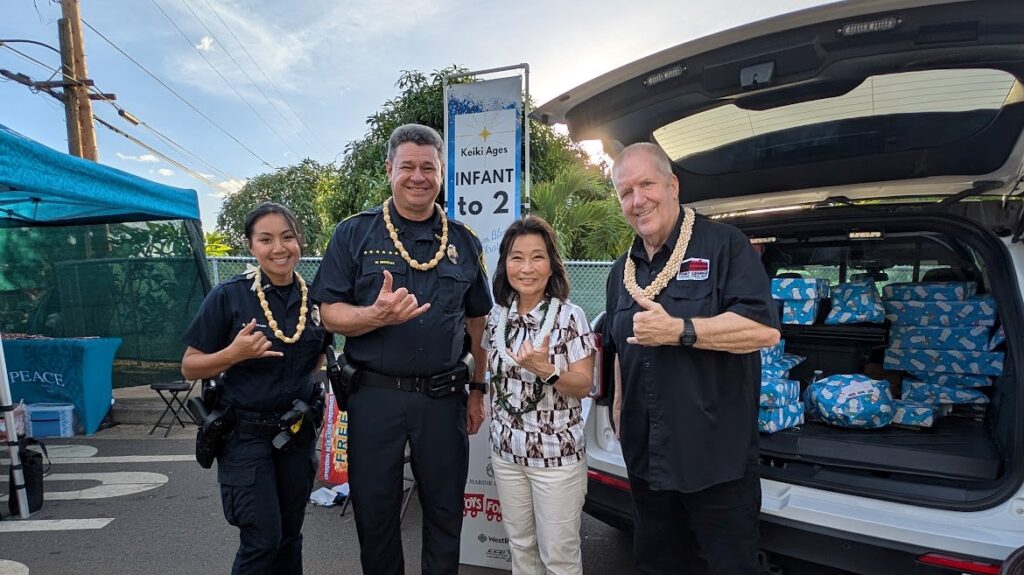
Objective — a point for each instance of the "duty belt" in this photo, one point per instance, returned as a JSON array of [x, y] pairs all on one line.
[[436, 385]]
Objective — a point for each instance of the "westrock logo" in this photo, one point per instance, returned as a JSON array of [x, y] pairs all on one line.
[[481, 538]]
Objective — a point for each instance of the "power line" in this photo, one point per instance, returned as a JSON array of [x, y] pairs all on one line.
[[241, 45], [246, 74], [225, 80], [128, 116], [179, 96], [53, 94]]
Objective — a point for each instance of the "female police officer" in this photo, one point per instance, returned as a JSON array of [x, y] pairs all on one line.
[[261, 331]]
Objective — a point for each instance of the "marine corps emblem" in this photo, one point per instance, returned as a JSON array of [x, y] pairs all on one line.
[[453, 254], [315, 315]]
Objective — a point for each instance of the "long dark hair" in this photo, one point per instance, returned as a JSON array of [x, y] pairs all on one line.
[[267, 208], [558, 283]]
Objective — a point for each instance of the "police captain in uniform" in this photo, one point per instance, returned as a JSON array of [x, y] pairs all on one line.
[[404, 284], [263, 331]]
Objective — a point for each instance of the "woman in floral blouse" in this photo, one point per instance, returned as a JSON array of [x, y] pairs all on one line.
[[540, 352]]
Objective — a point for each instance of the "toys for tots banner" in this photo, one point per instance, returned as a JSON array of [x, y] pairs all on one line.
[[484, 541]]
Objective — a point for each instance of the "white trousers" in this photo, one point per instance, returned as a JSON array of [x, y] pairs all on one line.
[[541, 508]]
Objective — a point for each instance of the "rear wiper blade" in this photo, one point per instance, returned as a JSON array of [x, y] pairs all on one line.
[[978, 188]]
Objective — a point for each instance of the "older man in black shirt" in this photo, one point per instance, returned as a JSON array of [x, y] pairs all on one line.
[[688, 307], [404, 284]]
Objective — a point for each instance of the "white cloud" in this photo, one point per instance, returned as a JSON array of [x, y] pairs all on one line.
[[231, 186], [205, 44], [144, 158], [165, 172]]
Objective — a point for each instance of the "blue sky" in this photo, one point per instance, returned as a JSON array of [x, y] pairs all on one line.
[[330, 64]]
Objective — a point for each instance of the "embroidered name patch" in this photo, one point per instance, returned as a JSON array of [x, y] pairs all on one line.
[[694, 269]]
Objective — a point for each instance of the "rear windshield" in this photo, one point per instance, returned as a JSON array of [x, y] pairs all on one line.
[[886, 113]]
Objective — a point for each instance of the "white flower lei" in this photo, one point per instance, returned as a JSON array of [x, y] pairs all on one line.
[[544, 331]]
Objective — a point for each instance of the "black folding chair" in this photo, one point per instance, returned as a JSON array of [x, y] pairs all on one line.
[[175, 405]]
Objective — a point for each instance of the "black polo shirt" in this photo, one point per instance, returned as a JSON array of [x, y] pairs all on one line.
[[266, 384], [689, 416], [352, 272]]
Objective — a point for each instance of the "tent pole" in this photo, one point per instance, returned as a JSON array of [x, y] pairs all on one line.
[[6, 405]]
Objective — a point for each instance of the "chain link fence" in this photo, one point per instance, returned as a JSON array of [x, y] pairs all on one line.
[[586, 278]]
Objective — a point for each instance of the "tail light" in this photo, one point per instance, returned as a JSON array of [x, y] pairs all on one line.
[[959, 564]]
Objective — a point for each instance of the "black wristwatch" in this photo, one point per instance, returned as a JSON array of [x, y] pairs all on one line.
[[475, 386], [689, 336]]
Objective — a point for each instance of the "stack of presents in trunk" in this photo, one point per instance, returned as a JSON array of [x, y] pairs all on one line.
[[941, 355]]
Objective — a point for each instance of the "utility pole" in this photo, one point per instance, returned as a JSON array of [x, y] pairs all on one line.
[[77, 100]]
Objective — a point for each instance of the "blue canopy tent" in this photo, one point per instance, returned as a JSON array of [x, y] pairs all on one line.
[[43, 188]]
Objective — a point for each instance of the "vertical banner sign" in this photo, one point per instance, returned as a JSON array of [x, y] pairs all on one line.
[[333, 468], [484, 137]]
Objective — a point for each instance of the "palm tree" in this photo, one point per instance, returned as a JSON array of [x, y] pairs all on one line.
[[582, 208]]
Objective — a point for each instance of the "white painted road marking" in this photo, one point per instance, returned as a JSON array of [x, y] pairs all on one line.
[[17, 525], [12, 567], [116, 459], [111, 484]]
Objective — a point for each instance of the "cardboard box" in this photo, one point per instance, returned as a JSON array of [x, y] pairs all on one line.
[[914, 413], [953, 379], [772, 419], [773, 353], [799, 289], [780, 369], [979, 310], [929, 291], [920, 391], [800, 312], [779, 392], [855, 302], [945, 361], [969, 338]]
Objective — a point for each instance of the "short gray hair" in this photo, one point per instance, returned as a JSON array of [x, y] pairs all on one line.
[[417, 134], [661, 159]]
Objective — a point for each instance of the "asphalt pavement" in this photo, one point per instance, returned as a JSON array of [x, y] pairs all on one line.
[[125, 502]]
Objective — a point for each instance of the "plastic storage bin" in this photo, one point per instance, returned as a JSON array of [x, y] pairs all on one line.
[[50, 420]]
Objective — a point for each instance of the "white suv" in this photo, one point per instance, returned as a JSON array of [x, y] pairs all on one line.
[[868, 139]]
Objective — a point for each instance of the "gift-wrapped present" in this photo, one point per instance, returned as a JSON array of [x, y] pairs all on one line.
[[780, 369], [773, 353], [953, 379], [930, 291], [969, 338], [779, 392], [978, 310], [799, 312], [945, 361], [914, 413], [855, 302], [799, 289], [772, 419], [998, 337], [851, 401], [914, 390]]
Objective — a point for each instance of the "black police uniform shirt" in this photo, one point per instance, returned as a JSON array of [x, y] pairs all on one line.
[[689, 416], [264, 385], [352, 272]]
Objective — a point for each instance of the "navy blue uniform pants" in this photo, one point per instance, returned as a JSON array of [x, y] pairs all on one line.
[[380, 422], [709, 532], [264, 493]]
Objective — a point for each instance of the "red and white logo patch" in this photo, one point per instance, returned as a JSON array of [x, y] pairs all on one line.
[[694, 269]]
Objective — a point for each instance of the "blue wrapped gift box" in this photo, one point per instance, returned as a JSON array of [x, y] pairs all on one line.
[[772, 419], [855, 302], [851, 401], [779, 392], [923, 392], [773, 353], [914, 413], [970, 338], [929, 291], [978, 310], [799, 312], [953, 379], [799, 289], [780, 369], [945, 361], [998, 337]]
